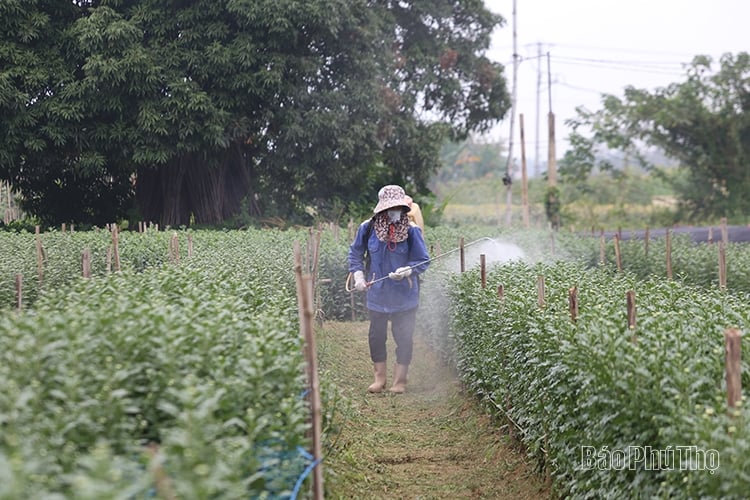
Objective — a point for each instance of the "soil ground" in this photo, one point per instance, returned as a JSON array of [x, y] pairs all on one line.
[[433, 442]]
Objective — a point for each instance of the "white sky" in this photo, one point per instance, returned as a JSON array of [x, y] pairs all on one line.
[[602, 46]]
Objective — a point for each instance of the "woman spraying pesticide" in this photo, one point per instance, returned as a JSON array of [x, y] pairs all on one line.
[[396, 250]]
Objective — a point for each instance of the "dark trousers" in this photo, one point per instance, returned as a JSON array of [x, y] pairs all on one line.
[[402, 327]]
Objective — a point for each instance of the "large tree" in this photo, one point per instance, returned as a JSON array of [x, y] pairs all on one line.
[[47, 151], [703, 123], [198, 109]]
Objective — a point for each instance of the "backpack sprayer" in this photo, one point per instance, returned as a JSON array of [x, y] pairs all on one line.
[[370, 283]]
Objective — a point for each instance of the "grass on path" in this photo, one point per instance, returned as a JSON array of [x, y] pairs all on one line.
[[433, 442]]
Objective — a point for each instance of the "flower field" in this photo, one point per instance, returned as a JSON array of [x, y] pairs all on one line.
[[586, 396], [181, 375], [171, 379]]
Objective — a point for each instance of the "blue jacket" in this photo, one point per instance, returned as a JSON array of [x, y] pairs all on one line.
[[390, 295]]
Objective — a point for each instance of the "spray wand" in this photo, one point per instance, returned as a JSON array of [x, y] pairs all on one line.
[[370, 283]]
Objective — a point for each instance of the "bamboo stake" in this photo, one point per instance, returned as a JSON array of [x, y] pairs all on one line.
[[482, 266], [116, 246], [573, 303], [308, 251], [174, 248], [9, 213], [722, 266], [733, 346], [86, 263], [618, 257], [462, 253], [313, 259], [317, 299], [39, 256], [602, 244], [306, 313], [630, 299], [336, 231], [501, 292], [724, 231], [190, 245]]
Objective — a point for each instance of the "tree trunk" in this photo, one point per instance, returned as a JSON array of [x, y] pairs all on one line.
[[204, 191], [175, 210], [209, 192]]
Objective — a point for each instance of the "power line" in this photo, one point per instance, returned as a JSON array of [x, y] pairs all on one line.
[[627, 62], [640, 67], [671, 68], [649, 51], [575, 87]]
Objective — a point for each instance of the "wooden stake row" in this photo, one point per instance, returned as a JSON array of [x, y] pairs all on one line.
[[113, 251], [732, 336], [618, 256]]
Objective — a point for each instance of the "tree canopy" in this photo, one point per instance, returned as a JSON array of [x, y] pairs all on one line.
[[703, 123], [195, 111]]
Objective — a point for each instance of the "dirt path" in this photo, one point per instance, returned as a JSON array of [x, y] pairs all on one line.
[[430, 443]]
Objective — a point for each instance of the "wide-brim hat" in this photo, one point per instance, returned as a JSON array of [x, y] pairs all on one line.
[[392, 196]]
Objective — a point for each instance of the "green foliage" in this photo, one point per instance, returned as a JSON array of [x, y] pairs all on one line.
[[187, 110], [28, 225], [598, 383], [469, 160], [702, 123], [202, 358], [692, 264]]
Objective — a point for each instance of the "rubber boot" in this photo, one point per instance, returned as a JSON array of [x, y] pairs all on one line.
[[399, 379], [380, 375]]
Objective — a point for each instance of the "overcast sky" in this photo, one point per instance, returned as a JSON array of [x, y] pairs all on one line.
[[602, 46]]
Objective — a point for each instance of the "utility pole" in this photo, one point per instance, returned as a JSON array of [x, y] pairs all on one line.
[[551, 158], [537, 166], [524, 178], [508, 178]]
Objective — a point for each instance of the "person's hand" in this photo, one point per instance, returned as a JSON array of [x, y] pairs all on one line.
[[400, 273], [359, 281]]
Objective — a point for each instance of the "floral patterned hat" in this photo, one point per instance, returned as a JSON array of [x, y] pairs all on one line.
[[392, 196]]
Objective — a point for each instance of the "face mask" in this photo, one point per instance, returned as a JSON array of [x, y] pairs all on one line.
[[394, 215]]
